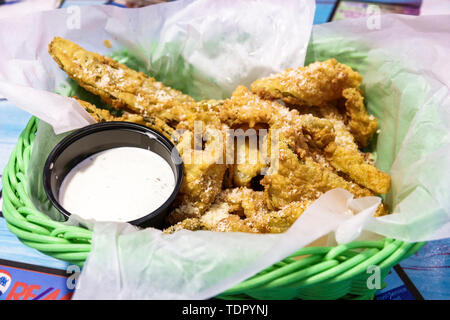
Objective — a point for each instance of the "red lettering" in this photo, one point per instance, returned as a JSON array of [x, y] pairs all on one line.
[[13, 295], [23, 291], [29, 292]]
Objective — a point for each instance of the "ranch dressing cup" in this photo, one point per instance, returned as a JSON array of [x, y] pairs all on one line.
[[114, 171]]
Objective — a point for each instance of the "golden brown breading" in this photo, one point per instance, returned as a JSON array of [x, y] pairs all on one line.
[[103, 115], [350, 112], [227, 212], [244, 107], [313, 85], [319, 85], [100, 115], [348, 159], [345, 156], [204, 173], [243, 201], [312, 145], [243, 210], [362, 125], [204, 112], [318, 133], [281, 220], [306, 133], [124, 88], [302, 174], [249, 160], [234, 223], [295, 178], [192, 224], [212, 106]]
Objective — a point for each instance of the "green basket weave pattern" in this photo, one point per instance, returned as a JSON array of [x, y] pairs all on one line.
[[310, 273]]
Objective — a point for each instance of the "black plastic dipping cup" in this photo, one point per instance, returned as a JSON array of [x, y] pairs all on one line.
[[98, 137]]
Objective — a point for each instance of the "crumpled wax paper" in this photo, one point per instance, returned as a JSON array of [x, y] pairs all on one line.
[[206, 48], [403, 60]]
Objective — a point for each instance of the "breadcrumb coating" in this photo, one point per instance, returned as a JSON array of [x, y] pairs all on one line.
[[313, 122]]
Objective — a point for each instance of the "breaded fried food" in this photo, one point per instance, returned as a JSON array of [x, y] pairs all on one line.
[[229, 212], [304, 132], [319, 85], [245, 109], [192, 224], [210, 106], [304, 175], [281, 220], [250, 158], [346, 158], [122, 87], [243, 210], [296, 178], [243, 201], [362, 125], [243, 172], [314, 122], [313, 85], [203, 176], [103, 115]]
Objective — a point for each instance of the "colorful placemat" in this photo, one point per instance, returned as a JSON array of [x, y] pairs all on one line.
[[353, 9]]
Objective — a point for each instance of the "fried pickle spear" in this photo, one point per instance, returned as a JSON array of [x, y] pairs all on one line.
[[309, 132], [249, 164], [247, 211], [296, 178], [346, 158], [362, 125], [229, 212], [246, 110], [192, 224], [318, 85], [279, 221], [103, 115], [324, 150], [204, 173], [314, 85], [300, 178], [243, 210], [124, 88]]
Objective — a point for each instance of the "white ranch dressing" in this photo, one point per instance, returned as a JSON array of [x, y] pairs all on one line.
[[119, 184]]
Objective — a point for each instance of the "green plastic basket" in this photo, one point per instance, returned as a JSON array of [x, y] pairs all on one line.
[[310, 273]]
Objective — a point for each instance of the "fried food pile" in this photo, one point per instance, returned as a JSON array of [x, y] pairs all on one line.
[[310, 125]]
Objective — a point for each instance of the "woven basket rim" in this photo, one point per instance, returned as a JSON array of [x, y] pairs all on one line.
[[309, 273]]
